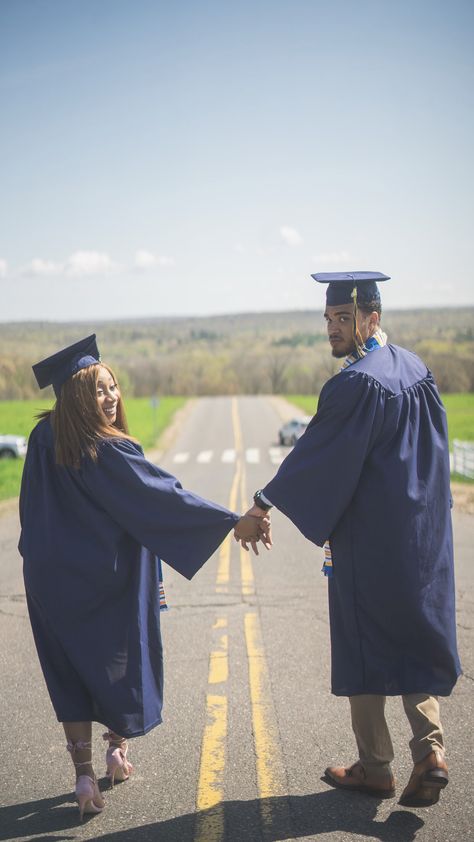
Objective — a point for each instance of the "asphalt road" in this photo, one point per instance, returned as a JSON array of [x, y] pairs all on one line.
[[249, 723]]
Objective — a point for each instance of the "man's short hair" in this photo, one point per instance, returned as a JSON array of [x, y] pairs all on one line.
[[372, 306]]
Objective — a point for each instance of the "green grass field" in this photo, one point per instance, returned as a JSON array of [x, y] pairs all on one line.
[[18, 418]]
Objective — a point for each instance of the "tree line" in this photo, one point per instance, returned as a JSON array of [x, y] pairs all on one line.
[[252, 353]]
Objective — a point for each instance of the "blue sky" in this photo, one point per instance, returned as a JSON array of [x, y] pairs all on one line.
[[198, 158]]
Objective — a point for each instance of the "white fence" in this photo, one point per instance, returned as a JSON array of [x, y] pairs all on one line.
[[463, 458]]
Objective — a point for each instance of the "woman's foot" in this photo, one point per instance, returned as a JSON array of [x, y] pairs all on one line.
[[118, 768], [88, 796], [87, 790]]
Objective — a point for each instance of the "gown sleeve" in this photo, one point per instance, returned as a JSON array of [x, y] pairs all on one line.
[[151, 505], [317, 480]]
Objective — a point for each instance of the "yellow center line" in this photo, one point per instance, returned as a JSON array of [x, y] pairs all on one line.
[[223, 567], [271, 778], [221, 623], [209, 803], [246, 565], [219, 662], [246, 568], [210, 793], [270, 767]]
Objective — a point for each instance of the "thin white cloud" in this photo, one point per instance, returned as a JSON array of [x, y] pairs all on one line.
[[332, 258], [3, 268], [146, 260], [90, 263], [38, 267], [290, 236]]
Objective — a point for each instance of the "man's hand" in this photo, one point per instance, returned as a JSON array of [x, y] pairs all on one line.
[[252, 527]]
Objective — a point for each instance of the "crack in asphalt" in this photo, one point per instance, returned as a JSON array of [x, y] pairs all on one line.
[[13, 597]]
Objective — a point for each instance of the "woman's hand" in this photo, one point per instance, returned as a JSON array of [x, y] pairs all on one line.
[[253, 528]]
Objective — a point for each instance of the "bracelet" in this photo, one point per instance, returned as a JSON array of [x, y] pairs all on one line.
[[257, 499]]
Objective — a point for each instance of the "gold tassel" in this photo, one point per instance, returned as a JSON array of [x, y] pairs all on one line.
[[358, 341]]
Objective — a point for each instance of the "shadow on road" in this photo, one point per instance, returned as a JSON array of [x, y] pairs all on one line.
[[286, 817]]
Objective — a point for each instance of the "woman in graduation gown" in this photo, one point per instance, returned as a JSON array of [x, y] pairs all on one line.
[[96, 519]]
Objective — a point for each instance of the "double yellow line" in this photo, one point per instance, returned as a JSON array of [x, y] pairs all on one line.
[[270, 772]]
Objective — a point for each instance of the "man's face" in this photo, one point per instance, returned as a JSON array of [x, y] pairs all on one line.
[[340, 322]]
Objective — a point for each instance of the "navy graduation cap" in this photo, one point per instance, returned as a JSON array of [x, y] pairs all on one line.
[[347, 287], [55, 370]]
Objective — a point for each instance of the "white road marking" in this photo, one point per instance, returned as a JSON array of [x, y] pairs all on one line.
[[205, 456], [252, 455], [180, 458], [276, 455]]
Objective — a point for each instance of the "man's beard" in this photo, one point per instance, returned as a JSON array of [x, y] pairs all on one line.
[[339, 353]]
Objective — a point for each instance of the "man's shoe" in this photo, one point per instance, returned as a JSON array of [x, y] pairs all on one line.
[[358, 779], [427, 780]]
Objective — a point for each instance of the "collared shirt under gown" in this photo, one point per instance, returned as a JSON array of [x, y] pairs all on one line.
[[371, 473], [90, 541]]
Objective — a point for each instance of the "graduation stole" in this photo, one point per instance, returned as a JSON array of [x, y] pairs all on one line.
[[377, 340]]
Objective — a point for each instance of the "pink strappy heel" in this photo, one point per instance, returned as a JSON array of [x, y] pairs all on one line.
[[118, 768], [87, 790]]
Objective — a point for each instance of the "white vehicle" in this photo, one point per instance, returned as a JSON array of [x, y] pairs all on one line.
[[12, 447], [293, 430]]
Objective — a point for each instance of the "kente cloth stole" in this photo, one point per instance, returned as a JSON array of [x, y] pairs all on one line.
[[378, 340], [163, 603]]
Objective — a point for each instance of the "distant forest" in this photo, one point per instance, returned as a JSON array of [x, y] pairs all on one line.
[[250, 353]]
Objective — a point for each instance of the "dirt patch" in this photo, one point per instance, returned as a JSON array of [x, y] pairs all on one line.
[[463, 497], [8, 506]]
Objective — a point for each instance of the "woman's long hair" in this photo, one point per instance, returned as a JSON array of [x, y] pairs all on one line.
[[77, 420]]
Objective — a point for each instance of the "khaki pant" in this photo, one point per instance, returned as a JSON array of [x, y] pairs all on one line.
[[372, 734]]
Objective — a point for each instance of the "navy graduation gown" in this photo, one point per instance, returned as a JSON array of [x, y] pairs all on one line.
[[371, 473], [91, 539]]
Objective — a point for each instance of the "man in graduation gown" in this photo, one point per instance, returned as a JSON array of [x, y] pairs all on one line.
[[369, 480]]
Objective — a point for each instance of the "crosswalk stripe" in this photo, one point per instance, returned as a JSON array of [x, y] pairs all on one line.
[[276, 455], [180, 458], [229, 455], [205, 456]]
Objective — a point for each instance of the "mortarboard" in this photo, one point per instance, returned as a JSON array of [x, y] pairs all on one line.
[[341, 286], [55, 370]]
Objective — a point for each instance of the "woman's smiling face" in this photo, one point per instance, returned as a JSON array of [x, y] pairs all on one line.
[[108, 395]]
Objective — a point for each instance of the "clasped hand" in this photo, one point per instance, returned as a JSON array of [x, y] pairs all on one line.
[[252, 528]]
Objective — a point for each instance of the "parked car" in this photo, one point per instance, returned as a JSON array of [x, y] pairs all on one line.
[[293, 430], [12, 447]]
